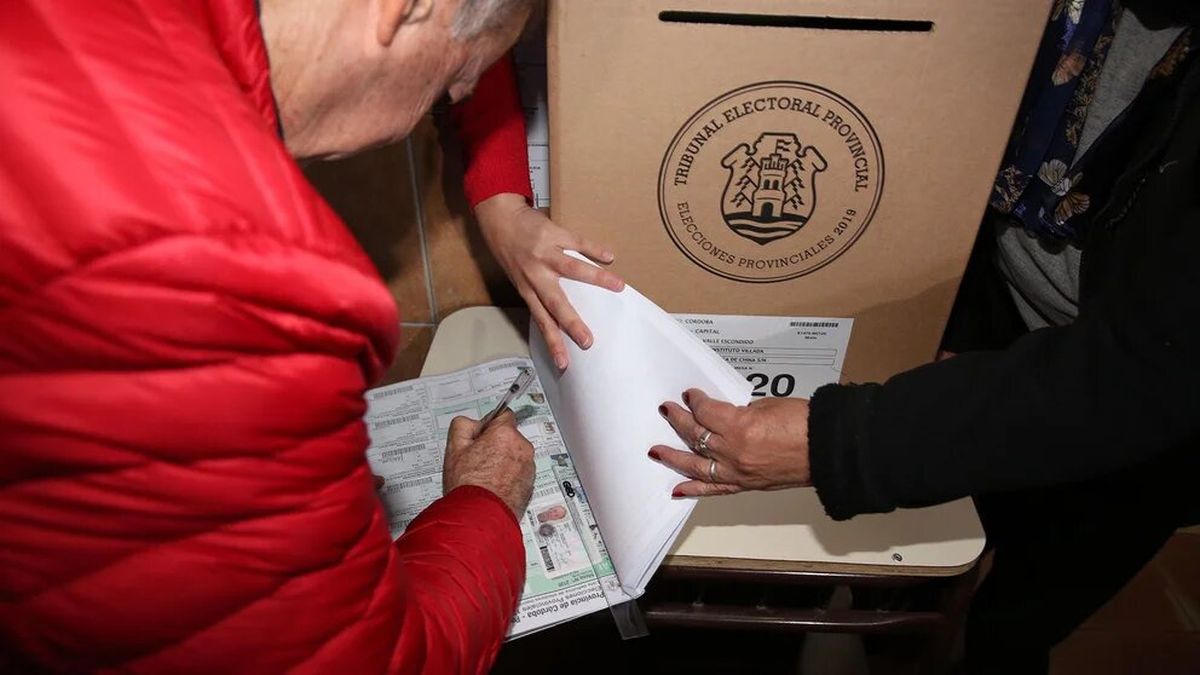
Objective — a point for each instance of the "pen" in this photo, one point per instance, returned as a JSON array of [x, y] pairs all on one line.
[[518, 387]]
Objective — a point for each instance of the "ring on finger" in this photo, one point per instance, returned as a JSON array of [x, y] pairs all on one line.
[[702, 443], [712, 471]]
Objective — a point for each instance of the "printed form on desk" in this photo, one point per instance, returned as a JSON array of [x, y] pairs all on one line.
[[408, 424]]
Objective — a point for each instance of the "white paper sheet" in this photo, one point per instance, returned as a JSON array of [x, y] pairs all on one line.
[[607, 406]]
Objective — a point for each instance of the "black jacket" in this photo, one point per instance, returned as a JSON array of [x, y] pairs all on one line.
[[1115, 389]]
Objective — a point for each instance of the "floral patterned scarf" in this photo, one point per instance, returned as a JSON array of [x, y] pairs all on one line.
[[1041, 182]]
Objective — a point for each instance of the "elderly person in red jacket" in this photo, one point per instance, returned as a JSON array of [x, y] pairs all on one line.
[[186, 331]]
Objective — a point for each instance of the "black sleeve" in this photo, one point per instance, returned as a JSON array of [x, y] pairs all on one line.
[[1059, 404]]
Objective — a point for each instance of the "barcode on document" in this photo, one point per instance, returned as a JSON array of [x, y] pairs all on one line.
[[404, 419], [390, 392], [387, 455], [546, 491], [404, 485], [546, 559], [813, 324]]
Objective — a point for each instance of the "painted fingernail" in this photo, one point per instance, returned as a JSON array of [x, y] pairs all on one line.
[[685, 399], [677, 494], [662, 410], [654, 455]]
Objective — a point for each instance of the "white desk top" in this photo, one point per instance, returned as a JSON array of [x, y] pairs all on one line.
[[783, 531]]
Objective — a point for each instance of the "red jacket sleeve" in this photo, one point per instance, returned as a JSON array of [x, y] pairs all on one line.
[[491, 125], [463, 568]]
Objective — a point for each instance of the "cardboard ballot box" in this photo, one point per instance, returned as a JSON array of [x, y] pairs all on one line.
[[809, 158]]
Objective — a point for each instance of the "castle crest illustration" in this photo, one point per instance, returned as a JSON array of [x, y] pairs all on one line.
[[770, 193]]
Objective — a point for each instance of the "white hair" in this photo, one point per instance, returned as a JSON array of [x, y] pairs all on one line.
[[477, 16]]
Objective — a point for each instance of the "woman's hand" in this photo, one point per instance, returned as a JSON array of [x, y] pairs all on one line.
[[762, 446], [529, 246]]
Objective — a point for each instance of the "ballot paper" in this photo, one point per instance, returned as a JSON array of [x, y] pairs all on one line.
[[602, 517], [607, 403]]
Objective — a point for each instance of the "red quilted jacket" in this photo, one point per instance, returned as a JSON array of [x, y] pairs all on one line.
[[186, 330]]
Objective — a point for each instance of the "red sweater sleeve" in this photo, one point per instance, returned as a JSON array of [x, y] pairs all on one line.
[[491, 126]]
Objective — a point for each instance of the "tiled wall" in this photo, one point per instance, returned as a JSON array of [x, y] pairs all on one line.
[[404, 203]]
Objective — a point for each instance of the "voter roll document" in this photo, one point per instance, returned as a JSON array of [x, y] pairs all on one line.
[[602, 517]]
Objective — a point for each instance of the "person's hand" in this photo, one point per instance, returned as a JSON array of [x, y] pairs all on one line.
[[496, 458], [762, 446], [529, 246]]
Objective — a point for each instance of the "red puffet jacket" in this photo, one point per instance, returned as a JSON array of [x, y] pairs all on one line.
[[186, 331]]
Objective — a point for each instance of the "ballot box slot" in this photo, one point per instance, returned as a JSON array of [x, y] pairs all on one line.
[[839, 23]]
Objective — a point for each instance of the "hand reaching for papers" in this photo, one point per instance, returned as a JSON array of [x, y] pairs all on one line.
[[529, 246], [496, 458], [762, 446]]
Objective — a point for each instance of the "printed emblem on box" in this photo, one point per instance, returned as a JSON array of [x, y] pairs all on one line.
[[771, 181]]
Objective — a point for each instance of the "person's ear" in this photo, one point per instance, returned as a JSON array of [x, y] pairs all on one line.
[[395, 13]]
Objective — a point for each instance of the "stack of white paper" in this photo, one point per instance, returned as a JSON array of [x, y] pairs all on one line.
[[606, 404]]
